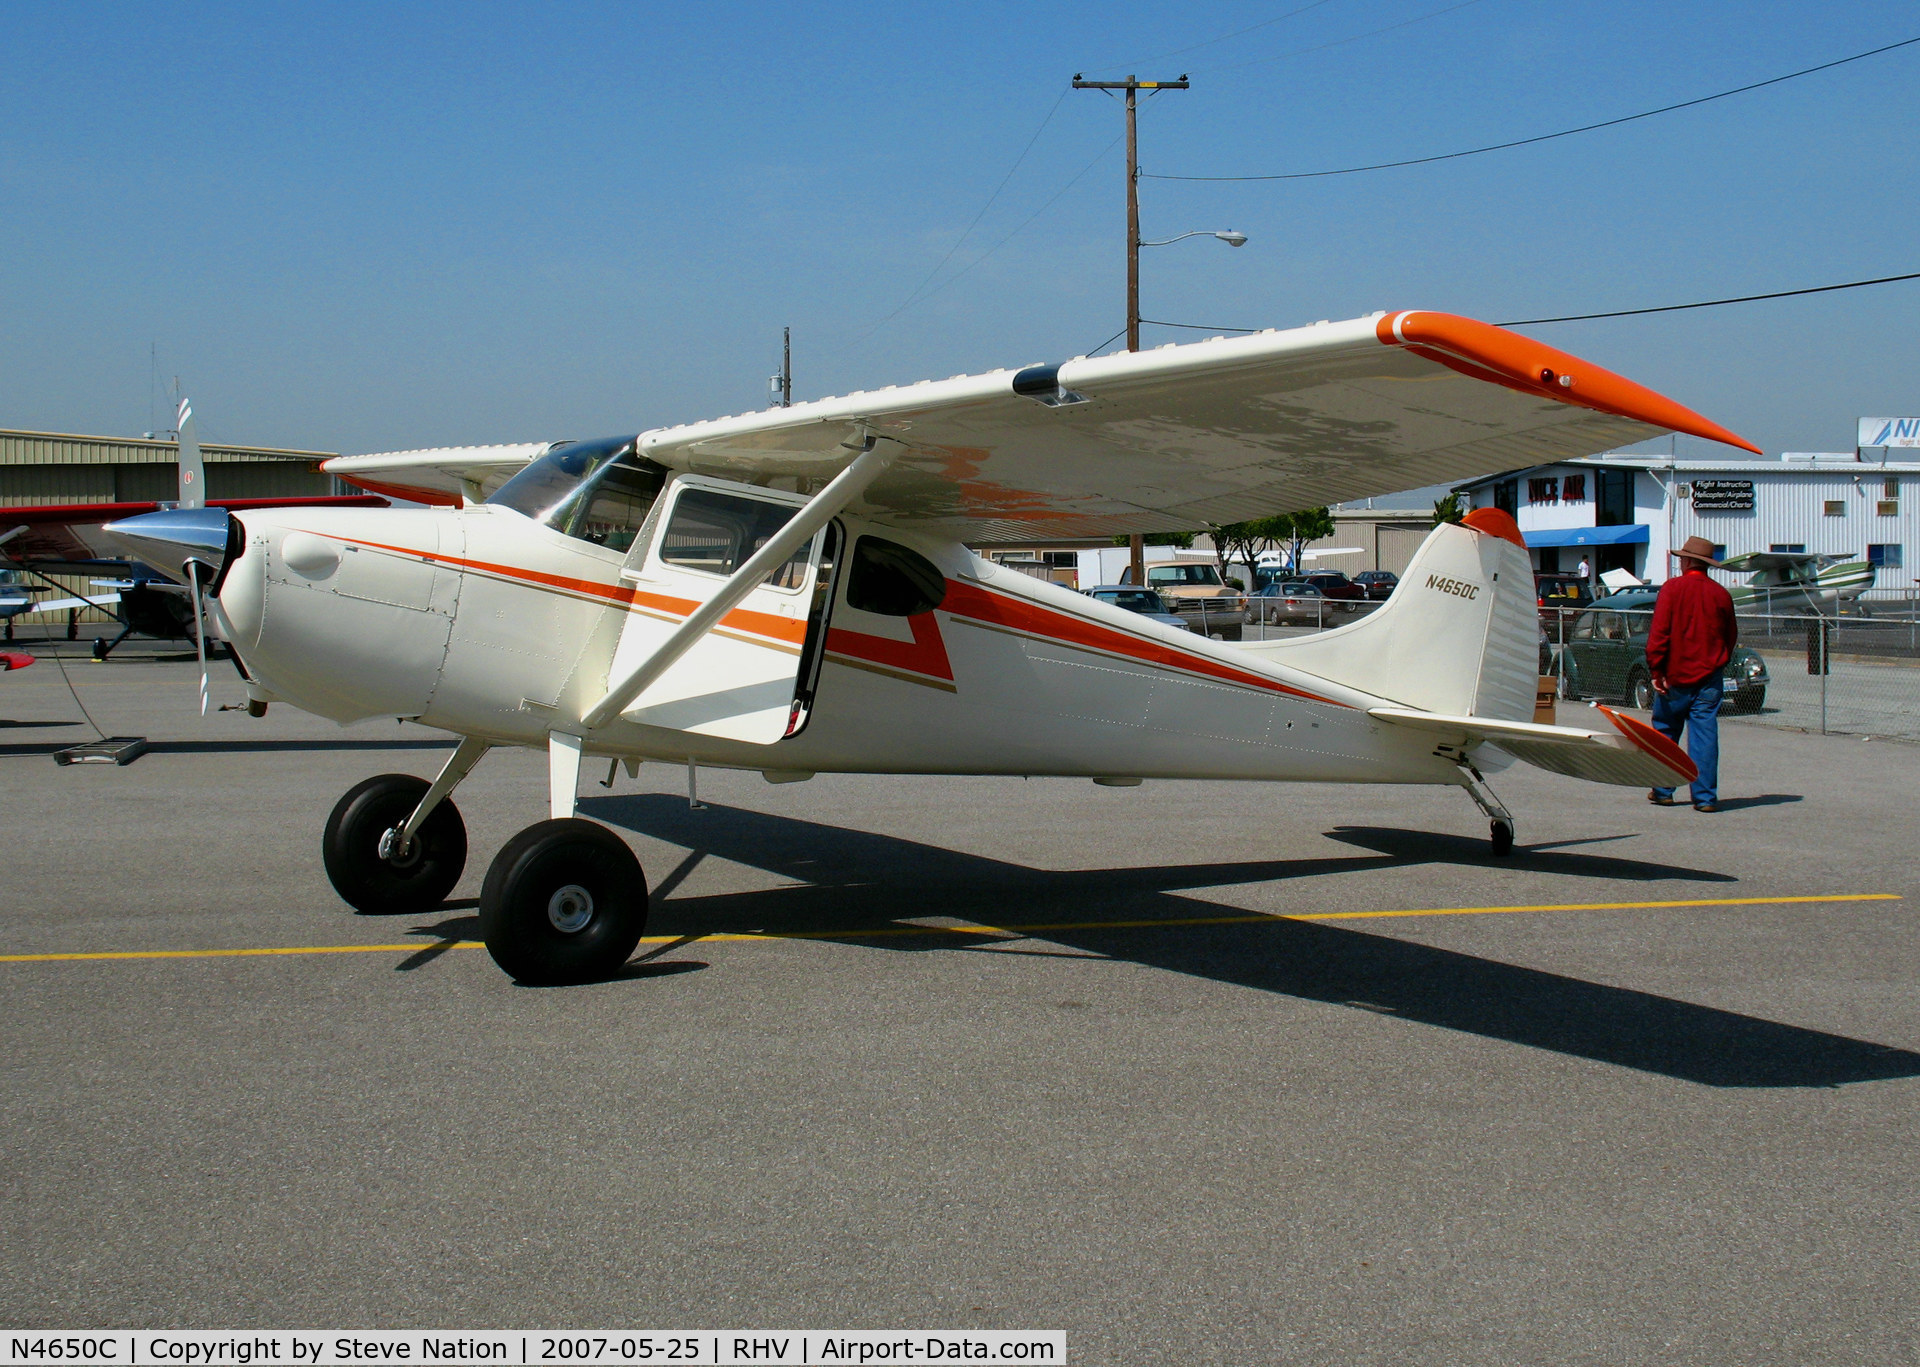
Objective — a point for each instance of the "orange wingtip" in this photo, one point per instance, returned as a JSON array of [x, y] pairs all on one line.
[[1495, 522], [1646, 738], [1506, 358]]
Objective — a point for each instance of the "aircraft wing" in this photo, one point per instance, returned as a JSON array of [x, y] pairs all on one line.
[[443, 475], [1215, 431], [71, 604], [1754, 561]]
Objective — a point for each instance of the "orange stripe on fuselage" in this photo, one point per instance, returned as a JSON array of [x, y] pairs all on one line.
[[925, 654], [966, 600], [740, 619]]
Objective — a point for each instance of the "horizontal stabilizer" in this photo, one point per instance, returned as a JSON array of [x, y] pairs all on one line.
[[1632, 754]]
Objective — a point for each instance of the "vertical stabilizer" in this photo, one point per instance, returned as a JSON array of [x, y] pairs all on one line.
[[193, 470], [1460, 635]]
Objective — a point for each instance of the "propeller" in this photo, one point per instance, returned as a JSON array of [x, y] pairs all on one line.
[[199, 631]]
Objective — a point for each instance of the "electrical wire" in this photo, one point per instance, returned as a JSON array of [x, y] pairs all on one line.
[[1619, 313], [1711, 303], [1342, 42], [1078, 177], [961, 241], [1195, 47], [1549, 137], [1109, 342], [71, 689]]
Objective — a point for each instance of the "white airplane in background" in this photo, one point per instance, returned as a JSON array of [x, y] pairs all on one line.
[[788, 591]]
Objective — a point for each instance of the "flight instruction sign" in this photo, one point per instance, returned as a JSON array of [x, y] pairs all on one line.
[[1723, 495], [1889, 432]]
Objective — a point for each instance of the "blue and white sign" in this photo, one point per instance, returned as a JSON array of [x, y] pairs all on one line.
[[1889, 432]]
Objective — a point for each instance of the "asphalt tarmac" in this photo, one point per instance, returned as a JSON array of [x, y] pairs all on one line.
[[1170, 1123]]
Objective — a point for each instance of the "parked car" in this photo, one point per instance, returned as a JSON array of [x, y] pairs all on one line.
[[1379, 584], [1143, 601], [1196, 591], [1289, 600], [1342, 591], [1560, 596], [1605, 656]]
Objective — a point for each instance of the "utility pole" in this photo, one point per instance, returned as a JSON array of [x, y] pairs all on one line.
[[1133, 85], [782, 384]]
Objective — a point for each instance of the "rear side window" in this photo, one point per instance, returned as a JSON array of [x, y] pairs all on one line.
[[717, 533], [893, 580]]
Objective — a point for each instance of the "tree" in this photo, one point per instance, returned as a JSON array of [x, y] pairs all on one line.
[[1243, 540], [1447, 509]]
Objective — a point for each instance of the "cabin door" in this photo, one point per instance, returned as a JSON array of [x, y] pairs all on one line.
[[744, 680]]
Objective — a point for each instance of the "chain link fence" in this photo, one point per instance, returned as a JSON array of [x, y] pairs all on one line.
[[1854, 674], [1857, 673]]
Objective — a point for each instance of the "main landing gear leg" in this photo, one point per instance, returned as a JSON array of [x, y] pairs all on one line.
[[394, 843], [565, 900], [1500, 818]]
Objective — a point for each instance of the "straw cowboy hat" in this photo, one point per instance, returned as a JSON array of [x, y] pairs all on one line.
[[1697, 548]]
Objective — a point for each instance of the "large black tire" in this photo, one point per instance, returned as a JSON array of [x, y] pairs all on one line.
[[564, 902], [1501, 835], [351, 847]]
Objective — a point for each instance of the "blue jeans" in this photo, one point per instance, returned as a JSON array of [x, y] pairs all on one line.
[[1693, 711]]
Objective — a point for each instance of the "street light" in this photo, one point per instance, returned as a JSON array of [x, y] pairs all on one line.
[[1232, 237]]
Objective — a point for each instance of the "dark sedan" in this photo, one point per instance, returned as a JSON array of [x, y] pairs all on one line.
[[1336, 586], [1606, 657], [1379, 584]]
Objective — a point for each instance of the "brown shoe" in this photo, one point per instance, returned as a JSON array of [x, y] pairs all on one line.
[[1659, 801], [1706, 806]]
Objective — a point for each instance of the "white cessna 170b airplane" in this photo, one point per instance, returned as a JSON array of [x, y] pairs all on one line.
[[789, 591]]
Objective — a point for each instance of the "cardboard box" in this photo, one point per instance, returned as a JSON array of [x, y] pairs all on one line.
[[1544, 699]]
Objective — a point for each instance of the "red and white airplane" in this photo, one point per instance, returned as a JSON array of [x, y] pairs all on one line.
[[790, 591]]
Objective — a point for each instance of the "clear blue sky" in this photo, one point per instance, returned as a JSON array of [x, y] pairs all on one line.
[[360, 227]]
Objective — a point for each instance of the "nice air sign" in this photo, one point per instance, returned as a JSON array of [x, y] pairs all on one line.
[[1889, 432]]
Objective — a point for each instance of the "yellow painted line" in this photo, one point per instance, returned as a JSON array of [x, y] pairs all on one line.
[[879, 932]]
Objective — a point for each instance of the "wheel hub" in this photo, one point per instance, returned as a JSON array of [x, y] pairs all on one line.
[[392, 852], [570, 908]]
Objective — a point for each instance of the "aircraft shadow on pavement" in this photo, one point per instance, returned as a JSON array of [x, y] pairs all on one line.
[[241, 747], [854, 880]]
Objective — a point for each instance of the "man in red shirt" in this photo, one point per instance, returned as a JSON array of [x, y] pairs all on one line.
[[1692, 639]]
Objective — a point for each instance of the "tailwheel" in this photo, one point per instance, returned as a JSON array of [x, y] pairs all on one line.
[[1502, 833], [564, 902], [362, 863]]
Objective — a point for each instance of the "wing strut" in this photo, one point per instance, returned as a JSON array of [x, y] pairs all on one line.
[[846, 486]]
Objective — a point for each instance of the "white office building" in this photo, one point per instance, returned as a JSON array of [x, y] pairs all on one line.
[[1627, 512]]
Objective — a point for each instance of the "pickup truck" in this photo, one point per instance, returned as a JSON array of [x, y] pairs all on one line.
[[1197, 593]]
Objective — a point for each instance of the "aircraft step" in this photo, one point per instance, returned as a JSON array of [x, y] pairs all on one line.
[[111, 750]]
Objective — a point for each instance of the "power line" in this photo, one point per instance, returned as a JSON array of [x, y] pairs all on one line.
[[1711, 303], [1195, 47], [1078, 177], [961, 240], [1549, 137], [1342, 42], [1618, 313]]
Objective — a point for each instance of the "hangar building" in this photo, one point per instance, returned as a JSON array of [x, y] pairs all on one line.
[[48, 469], [1627, 512]]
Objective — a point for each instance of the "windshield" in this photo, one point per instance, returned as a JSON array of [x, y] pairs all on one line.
[[545, 484], [1183, 574], [1133, 600]]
